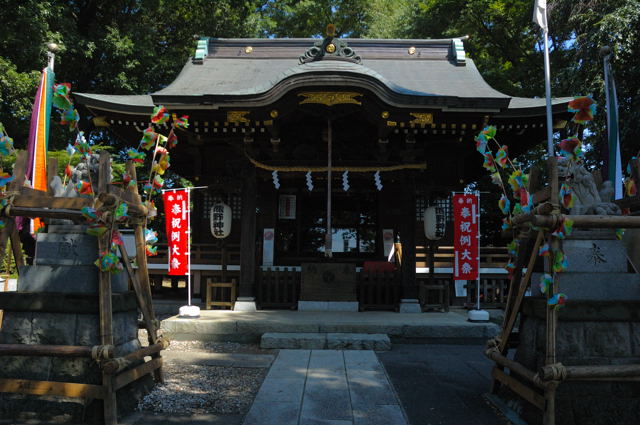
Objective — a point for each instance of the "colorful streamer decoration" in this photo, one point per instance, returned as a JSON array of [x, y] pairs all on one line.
[[136, 156], [546, 282], [516, 180], [109, 262], [6, 142], [620, 233], [512, 248], [91, 214], [148, 138], [502, 156], [172, 140], [84, 188], [557, 301], [564, 229], [496, 179], [481, 143], [510, 267], [559, 262], [5, 178], [61, 96], [544, 250], [504, 204], [630, 188], [566, 196], [182, 122], [150, 236], [489, 163], [571, 148], [489, 132], [96, 229], [584, 108], [120, 214], [159, 115], [506, 224], [526, 200]]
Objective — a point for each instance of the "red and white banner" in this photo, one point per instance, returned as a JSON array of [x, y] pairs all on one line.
[[176, 212], [466, 217]]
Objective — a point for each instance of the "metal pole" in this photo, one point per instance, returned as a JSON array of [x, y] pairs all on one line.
[[189, 247], [547, 89], [328, 237], [478, 218]]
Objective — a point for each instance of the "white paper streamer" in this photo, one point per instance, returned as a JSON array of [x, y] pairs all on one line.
[[345, 181], [309, 181], [377, 180], [276, 181]]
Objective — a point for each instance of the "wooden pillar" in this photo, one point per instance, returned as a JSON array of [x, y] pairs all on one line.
[[248, 235], [407, 230]]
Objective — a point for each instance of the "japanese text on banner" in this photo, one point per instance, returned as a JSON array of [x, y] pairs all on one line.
[[176, 208], [466, 218]]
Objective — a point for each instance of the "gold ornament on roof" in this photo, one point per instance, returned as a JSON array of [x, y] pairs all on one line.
[[273, 113], [248, 49], [237, 117], [412, 50], [330, 98], [331, 30], [421, 118], [331, 48], [385, 114]]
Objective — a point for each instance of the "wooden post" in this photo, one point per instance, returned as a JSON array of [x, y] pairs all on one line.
[[142, 278], [248, 234], [408, 236]]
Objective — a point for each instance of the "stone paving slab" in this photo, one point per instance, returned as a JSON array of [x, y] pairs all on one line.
[[326, 387], [318, 341]]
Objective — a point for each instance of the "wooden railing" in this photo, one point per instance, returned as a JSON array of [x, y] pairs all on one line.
[[490, 256], [202, 254], [379, 290], [279, 287], [493, 291]]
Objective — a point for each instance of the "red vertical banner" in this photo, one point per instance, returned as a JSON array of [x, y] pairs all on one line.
[[466, 217], [176, 212]]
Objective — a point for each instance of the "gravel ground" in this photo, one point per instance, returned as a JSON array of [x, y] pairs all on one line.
[[204, 389], [200, 389]]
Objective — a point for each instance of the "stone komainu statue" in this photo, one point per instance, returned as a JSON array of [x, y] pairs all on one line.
[[79, 173], [587, 199]]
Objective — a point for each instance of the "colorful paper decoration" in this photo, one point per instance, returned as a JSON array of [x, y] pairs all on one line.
[[148, 138], [571, 148], [109, 262], [544, 250], [481, 143], [557, 301], [546, 282], [559, 262], [516, 180], [489, 162], [620, 233], [496, 179], [506, 224], [159, 115], [182, 122], [120, 214], [61, 99], [136, 156], [84, 188], [584, 108], [502, 156], [512, 248], [566, 196], [526, 200], [172, 140], [504, 204], [6, 143], [5, 178], [91, 214], [96, 229]]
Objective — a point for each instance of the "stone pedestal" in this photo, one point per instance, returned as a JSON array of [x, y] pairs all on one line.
[[56, 303], [409, 305], [599, 325], [245, 304]]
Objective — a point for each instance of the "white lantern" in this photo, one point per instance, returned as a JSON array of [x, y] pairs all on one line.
[[220, 220], [434, 223]]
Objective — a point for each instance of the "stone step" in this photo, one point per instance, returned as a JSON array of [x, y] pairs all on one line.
[[331, 341]]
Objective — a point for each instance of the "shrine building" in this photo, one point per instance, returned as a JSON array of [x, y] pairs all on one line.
[[392, 122]]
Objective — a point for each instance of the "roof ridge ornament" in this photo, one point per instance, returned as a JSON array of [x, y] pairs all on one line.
[[202, 50], [330, 48], [457, 51]]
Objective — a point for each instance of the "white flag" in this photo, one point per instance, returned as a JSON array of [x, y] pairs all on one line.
[[540, 13]]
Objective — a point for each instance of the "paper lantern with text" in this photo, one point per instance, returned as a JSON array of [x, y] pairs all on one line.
[[220, 220], [434, 222]]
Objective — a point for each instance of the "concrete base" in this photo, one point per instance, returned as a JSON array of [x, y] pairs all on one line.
[[410, 305], [319, 341], [245, 304], [189, 311], [225, 325], [478, 316], [328, 306]]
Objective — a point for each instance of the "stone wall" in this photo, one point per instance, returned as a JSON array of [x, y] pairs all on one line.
[[588, 333]]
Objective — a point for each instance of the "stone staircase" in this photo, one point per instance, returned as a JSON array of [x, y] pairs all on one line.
[[329, 341]]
